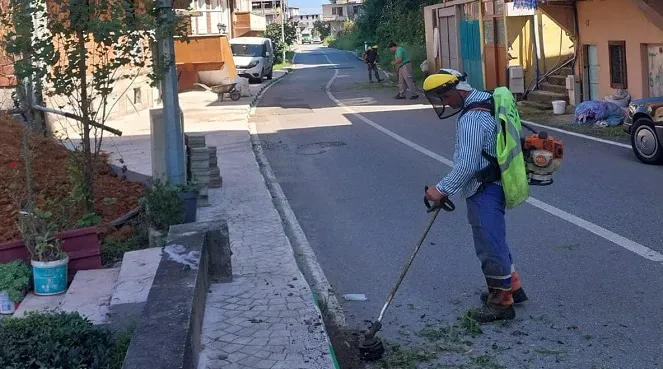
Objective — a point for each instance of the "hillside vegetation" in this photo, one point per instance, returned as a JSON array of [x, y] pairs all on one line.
[[384, 21]]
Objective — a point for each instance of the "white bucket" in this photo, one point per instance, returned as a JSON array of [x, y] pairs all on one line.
[[559, 107], [7, 306]]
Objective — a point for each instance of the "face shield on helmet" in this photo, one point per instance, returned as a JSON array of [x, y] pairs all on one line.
[[440, 90]]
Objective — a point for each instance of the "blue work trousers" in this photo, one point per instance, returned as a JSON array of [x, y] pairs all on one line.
[[485, 212]]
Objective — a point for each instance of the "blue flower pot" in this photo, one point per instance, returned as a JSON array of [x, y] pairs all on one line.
[[50, 277]]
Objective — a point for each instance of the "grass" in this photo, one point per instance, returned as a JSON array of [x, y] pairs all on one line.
[[451, 341], [119, 349], [287, 63]]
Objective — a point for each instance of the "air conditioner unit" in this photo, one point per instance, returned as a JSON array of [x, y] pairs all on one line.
[[517, 79]]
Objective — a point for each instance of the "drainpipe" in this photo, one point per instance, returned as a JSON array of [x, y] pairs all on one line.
[[536, 50], [577, 42]]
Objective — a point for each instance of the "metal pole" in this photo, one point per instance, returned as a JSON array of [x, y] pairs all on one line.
[[175, 166], [283, 28]]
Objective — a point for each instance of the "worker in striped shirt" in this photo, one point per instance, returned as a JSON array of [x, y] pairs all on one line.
[[476, 134]]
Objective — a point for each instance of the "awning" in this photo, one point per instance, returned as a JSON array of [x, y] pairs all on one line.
[[527, 4]]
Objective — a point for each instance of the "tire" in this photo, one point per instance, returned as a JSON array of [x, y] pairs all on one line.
[[235, 95], [646, 144], [271, 74]]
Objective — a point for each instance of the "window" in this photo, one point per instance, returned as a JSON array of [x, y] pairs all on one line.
[[333, 11], [138, 97], [617, 53]]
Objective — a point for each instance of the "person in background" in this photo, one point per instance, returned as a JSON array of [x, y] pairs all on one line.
[[371, 58], [403, 71]]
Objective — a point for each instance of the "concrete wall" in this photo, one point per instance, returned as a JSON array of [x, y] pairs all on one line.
[[618, 20], [129, 97], [554, 44]]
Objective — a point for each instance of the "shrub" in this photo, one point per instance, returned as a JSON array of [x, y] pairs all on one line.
[[163, 206], [58, 341], [15, 279]]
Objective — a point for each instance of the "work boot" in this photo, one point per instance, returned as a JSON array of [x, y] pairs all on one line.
[[517, 290], [519, 296], [499, 306], [414, 97], [399, 97]]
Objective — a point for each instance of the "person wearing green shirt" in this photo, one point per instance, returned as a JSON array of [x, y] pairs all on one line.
[[403, 71]]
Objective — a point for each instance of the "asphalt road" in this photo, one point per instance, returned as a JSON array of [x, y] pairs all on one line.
[[589, 248]]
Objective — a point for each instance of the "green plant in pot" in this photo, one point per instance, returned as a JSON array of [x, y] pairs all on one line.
[[189, 194], [163, 206], [14, 284], [48, 259]]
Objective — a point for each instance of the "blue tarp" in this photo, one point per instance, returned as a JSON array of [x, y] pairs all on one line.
[[591, 112]]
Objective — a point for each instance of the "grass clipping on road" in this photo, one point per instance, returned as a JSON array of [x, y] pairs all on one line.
[[454, 342]]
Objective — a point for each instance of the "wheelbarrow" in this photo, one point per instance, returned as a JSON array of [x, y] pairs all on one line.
[[221, 90]]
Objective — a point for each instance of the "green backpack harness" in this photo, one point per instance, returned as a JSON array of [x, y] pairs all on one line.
[[509, 166]]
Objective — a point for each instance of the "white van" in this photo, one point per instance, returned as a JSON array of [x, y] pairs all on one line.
[[253, 57]]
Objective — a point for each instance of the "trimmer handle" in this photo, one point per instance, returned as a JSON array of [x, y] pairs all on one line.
[[445, 204]]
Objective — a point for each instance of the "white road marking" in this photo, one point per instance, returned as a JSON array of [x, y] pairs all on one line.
[[609, 142], [606, 234]]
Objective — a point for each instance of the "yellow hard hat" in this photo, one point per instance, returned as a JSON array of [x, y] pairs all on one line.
[[374, 47], [440, 83]]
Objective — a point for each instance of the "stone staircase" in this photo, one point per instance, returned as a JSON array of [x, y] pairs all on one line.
[[100, 294], [554, 88]]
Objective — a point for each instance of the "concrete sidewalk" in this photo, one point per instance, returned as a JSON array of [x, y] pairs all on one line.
[[266, 317]]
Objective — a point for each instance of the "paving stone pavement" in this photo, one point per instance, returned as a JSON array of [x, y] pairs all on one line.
[[265, 318]]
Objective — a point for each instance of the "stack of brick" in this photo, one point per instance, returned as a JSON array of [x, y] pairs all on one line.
[[199, 166], [215, 180]]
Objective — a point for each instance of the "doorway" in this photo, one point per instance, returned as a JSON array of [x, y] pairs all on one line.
[[655, 70], [448, 38], [591, 72], [494, 43], [470, 44]]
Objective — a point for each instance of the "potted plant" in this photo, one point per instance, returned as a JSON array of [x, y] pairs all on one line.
[[188, 193], [48, 259], [14, 284]]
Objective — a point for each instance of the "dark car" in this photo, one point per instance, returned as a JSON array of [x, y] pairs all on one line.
[[644, 123]]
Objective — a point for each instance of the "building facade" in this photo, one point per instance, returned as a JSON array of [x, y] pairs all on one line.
[[270, 9], [340, 11], [306, 26], [573, 50]]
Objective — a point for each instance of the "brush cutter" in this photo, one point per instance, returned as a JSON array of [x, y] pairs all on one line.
[[372, 348]]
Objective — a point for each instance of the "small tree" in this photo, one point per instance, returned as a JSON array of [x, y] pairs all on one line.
[[273, 32], [322, 28], [78, 50]]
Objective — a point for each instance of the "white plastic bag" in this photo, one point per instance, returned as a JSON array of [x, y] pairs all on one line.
[[424, 66], [243, 86]]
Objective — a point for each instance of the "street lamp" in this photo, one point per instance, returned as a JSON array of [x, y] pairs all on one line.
[[221, 27]]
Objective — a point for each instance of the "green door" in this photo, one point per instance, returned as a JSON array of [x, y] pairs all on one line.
[[470, 44]]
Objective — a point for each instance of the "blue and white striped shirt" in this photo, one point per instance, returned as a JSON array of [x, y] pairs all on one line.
[[475, 131]]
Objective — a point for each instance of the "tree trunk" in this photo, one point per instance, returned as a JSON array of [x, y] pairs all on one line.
[[88, 164]]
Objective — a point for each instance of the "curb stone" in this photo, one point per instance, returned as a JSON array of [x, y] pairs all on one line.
[[288, 226]]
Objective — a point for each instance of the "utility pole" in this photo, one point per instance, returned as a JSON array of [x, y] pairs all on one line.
[[283, 28], [172, 125]]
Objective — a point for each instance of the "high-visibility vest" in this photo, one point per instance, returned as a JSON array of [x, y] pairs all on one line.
[[510, 155], [510, 158]]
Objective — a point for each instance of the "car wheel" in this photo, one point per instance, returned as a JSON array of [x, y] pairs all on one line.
[[646, 144], [271, 74]]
